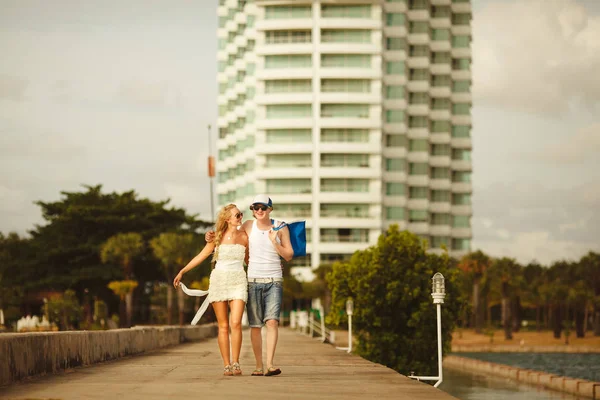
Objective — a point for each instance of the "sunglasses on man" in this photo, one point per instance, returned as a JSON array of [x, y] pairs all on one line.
[[261, 207]]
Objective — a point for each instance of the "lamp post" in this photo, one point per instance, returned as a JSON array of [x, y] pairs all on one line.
[[349, 311], [438, 293]]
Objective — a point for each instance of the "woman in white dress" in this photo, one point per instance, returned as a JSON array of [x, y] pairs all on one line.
[[228, 283]]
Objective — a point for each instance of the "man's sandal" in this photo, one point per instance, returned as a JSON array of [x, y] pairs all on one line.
[[237, 370], [258, 372], [272, 371], [227, 371]]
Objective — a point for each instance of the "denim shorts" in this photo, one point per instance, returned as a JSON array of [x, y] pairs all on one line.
[[264, 302]]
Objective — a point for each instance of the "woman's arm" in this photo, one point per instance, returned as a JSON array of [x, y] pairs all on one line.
[[203, 255], [285, 248]]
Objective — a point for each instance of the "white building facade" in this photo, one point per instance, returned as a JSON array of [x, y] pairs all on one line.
[[352, 115]]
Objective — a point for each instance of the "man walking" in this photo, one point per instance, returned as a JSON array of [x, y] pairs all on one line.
[[268, 245]]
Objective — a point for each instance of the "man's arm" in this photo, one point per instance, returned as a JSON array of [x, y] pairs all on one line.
[[285, 248]]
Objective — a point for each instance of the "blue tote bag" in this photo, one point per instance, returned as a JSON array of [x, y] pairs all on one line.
[[297, 236]]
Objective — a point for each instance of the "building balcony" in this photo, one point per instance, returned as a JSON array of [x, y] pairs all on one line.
[[418, 62], [349, 73], [440, 184], [349, 197], [440, 69], [462, 143], [440, 45], [346, 98], [292, 198], [418, 15], [461, 52], [461, 75], [348, 122], [461, 209], [418, 109], [462, 233], [284, 98], [389, 176], [350, 172], [440, 22], [440, 207], [440, 230], [418, 86], [440, 91], [342, 248], [394, 103], [350, 23], [395, 128], [461, 165], [281, 123], [395, 55], [395, 201], [395, 31], [462, 98], [461, 7], [284, 24], [420, 228], [417, 180], [440, 161], [370, 222], [359, 148], [461, 120], [284, 73], [395, 7], [284, 48], [440, 2], [440, 115], [394, 152], [461, 30], [284, 172], [394, 79], [417, 156], [348, 48], [402, 225], [418, 38], [418, 133], [462, 187], [440, 138], [285, 148]]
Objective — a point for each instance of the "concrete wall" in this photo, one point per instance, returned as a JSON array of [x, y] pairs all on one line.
[[29, 354], [578, 387]]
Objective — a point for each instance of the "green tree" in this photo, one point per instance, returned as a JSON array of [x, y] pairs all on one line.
[[506, 273], [122, 249], [394, 316], [174, 250], [589, 270], [123, 289], [64, 310], [475, 264]]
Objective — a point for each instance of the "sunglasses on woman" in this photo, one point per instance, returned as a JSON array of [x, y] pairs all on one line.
[[239, 215], [256, 207]]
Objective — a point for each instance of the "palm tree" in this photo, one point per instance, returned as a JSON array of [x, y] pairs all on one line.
[[590, 270], [507, 272], [121, 249], [174, 250], [475, 264], [122, 289]]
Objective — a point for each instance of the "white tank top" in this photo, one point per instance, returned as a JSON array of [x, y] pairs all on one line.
[[264, 259]]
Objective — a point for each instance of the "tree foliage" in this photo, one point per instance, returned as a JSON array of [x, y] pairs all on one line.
[[394, 316]]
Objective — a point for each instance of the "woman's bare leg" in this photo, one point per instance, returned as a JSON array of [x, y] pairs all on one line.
[[237, 311], [220, 308]]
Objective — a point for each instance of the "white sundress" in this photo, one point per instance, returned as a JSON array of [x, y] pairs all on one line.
[[228, 279]]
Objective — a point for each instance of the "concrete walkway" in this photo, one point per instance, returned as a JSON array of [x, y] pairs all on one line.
[[311, 370]]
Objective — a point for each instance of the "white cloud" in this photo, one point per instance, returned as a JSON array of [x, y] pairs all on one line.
[[577, 148], [539, 56]]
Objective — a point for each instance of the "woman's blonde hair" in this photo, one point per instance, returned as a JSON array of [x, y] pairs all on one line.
[[221, 226]]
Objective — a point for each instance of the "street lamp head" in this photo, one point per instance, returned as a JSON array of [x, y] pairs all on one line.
[[349, 306], [438, 288]]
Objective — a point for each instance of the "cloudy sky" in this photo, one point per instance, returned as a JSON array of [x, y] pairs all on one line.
[[98, 92]]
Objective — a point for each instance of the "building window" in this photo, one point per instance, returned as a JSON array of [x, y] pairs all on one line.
[[345, 110], [289, 160], [288, 86], [344, 210], [461, 199], [461, 131], [345, 36], [287, 37], [418, 169], [346, 60], [287, 12], [394, 92], [461, 41], [289, 136], [395, 19], [440, 12], [440, 150], [417, 27], [461, 86], [440, 34], [394, 213], [461, 64], [395, 164], [461, 155], [394, 116], [419, 74], [441, 81], [441, 104], [394, 43], [461, 244], [292, 211], [289, 186], [440, 219], [461, 221], [348, 185], [440, 127], [418, 216], [275, 111], [418, 98], [461, 177], [345, 160], [438, 242], [394, 68], [331, 258], [461, 19], [346, 85], [440, 196], [419, 145], [419, 192], [288, 61], [346, 11], [394, 189], [344, 235], [461, 108], [395, 140], [441, 57], [345, 135]]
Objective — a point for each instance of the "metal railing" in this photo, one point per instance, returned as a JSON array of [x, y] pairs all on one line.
[[314, 327]]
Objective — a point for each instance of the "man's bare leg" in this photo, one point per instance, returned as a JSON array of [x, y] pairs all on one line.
[[272, 336], [256, 338]]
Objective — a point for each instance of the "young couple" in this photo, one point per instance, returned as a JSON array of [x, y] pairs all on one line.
[[261, 245]]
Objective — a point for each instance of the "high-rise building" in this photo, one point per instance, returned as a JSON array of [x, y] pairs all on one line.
[[352, 115]]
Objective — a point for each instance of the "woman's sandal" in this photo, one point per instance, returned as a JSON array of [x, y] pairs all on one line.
[[258, 372], [237, 370], [227, 371]]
